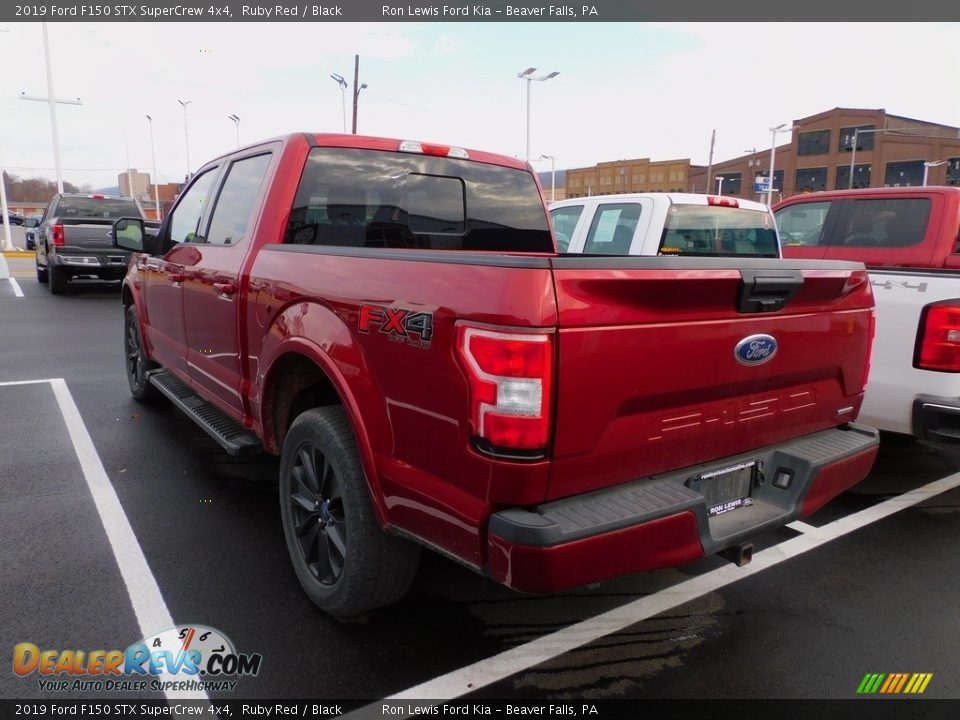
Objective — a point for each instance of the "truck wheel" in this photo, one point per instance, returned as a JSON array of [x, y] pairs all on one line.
[[346, 564], [135, 358], [58, 280], [41, 274]]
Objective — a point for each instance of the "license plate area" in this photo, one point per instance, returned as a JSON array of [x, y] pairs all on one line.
[[725, 489]]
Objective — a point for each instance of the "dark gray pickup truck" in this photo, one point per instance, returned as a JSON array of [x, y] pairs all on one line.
[[73, 239]]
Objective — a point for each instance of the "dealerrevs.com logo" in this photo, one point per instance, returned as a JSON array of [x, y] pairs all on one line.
[[183, 658]]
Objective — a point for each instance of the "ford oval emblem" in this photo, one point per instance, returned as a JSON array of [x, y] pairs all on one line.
[[755, 349]]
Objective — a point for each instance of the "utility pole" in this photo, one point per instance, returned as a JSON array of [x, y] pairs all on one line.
[[713, 137], [52, 101]]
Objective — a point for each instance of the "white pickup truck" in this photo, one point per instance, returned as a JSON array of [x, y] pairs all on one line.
[[665, 224], [908, 238]]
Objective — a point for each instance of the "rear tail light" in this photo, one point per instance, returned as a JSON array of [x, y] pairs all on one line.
[[412, 146], [511, 379], [57, 233], [938, 345], [722, 201]]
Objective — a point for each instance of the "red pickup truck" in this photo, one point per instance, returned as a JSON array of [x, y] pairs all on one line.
[[392, 319]]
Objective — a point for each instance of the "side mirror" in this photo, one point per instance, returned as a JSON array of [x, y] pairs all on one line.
[[128, 234], [31, 223]]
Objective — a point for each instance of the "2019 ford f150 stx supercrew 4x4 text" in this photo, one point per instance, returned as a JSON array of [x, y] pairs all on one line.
[[392, 319]]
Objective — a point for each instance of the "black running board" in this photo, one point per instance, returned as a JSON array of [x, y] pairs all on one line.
[[234, 438]]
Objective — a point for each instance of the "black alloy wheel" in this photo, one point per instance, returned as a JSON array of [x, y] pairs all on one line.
[[319, 522]]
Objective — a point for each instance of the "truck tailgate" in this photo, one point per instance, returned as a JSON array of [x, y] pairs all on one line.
[[650, 379], [89, 235]]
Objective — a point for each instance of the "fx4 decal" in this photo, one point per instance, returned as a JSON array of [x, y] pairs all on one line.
[[398, 324]]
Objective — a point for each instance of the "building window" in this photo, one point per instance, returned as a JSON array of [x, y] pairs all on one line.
[[639, 179], [729, 186], [811, 179], [904, 174], [861, 177], [815, 142], [864, 140], [953, 171]]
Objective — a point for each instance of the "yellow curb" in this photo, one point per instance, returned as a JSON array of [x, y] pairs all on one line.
[[18, 253]]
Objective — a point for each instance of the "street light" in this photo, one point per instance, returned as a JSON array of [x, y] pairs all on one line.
[[186, 134], [929, 164], [52, 101], [719, 180], [529, 77], [356, 89], [236, 123], [553, 176], [773, 152], [343, 93], [153, 156]]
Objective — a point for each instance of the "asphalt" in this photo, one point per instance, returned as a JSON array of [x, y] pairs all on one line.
[[877, 600]]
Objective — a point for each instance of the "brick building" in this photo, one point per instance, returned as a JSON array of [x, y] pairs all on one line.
[[891, 151], [623, 176]]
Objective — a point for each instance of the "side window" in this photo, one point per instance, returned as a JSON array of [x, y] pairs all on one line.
[[564, 223], [888, 222], [237, 200], [185, 220], [611, 231], [802, 224]]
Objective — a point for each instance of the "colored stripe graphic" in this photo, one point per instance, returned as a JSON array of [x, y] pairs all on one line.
[[894, 683]]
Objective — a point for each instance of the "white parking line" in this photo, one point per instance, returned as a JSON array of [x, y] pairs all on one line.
[[16, 287], [148, 604], [518, 659]]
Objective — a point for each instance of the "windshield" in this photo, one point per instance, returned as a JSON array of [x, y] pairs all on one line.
[[718, 230]]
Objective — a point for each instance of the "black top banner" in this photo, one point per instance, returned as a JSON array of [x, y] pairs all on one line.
[[494, 11]]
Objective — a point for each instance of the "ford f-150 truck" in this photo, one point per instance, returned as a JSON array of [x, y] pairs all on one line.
[[392, 319], [73, 239], [908, 238]]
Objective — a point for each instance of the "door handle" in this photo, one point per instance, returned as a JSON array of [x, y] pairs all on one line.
[[177, 277], [225, 288]]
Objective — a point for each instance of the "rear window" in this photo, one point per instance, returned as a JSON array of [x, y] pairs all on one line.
[[371, 198], [109, 208], [718, 231]]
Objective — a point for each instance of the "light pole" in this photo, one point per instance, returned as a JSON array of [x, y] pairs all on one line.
[[553, 176], [236, 123], [343, 93], [773, 152], [356, 89], [153, 156], [719, 180], [186, 133], [529, 76], [51, 99], [929, 164]]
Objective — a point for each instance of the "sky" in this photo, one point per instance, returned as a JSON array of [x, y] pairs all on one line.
[[624, 90]]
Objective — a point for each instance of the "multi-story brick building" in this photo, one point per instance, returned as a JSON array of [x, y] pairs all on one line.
[[623, 176], [891, 150], [884, 151]]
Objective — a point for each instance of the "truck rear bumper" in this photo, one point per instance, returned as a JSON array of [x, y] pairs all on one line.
[[936, 420], [678, 517]]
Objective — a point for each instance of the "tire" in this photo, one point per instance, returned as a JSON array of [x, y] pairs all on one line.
[[58, 280], [135, 359], [41, 275], [345, 563]]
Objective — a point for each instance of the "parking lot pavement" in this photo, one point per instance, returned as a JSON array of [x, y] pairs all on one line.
[[875, 599]]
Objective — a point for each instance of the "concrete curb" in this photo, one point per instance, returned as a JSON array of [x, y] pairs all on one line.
[[18, 253]]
